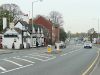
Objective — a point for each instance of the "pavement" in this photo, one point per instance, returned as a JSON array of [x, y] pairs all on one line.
[[5, 51], [39, 49], [8, 51]]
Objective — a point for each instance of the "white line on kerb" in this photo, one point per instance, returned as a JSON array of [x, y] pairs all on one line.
[[3, 69], [12, 62], [70, 52], [16, 68], [24, 59]]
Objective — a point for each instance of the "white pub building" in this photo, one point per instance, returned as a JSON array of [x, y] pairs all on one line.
[[21, 35]]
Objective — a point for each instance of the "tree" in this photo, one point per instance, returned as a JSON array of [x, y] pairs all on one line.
[[56, 18], [63, 35], [7, 14], [11, 11], [14, 10]]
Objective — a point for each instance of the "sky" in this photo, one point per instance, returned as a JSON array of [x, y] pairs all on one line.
[[78, 15]]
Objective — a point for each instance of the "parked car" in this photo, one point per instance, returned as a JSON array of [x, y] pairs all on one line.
[[61, 44], [0, 41], [87, 44]]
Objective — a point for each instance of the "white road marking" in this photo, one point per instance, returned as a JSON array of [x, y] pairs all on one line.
[[39, 56], [12, 62], [24, 60], [16, 68], [41, 59], [35, 53], [3, 69], [91, 66], [46, 54], [34, 58], [50, 59], [70, 52]]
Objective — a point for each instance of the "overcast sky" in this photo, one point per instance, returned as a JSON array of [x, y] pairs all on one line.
[[78, 15]]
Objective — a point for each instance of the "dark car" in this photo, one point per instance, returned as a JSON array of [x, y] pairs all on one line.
[[61, 44], [0, 41]]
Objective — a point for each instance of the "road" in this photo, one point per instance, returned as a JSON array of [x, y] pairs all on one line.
[[73, 60]]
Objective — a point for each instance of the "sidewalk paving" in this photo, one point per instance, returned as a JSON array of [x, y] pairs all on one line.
[[5, 51], [39, 49], [8, 51]]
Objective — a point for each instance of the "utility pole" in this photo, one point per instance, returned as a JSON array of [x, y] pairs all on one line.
[[32, 21], [98, 27]]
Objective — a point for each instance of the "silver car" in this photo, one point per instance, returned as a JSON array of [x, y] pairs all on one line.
[[88, 44]]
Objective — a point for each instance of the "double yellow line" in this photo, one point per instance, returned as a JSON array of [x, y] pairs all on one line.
[[91, 67]]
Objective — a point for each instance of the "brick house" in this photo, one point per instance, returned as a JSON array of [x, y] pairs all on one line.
[[52, 35], [55, 32]]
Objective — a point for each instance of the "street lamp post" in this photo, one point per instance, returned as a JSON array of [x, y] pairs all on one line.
[[32, 21], [32, 9], [98, 27]]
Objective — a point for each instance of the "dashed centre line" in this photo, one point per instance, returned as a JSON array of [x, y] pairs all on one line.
[[70, 52]]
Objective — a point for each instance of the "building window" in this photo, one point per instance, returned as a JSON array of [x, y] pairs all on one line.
[[10, 36], [24, 39]]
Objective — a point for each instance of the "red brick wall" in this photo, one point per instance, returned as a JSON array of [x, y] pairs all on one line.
[[54, 34], [43, 22]]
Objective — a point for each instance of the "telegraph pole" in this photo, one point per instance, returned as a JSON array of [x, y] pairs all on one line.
[[98, 27]]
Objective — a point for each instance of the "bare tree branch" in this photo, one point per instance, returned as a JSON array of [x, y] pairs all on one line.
[[56, 18]]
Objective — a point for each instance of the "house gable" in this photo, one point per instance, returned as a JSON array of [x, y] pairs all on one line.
[[42, 21], [20, 26]]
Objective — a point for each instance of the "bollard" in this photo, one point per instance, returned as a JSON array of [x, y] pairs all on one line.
[[49, 48], [58, 47]]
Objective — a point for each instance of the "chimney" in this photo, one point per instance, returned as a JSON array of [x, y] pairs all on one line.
[[26, 18], [12, 25], [4, 22]]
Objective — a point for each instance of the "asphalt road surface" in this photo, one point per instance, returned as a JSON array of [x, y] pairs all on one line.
[[73, 60]]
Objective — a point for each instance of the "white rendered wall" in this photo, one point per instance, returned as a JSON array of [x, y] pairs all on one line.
[[9, 41], [4, 23]]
